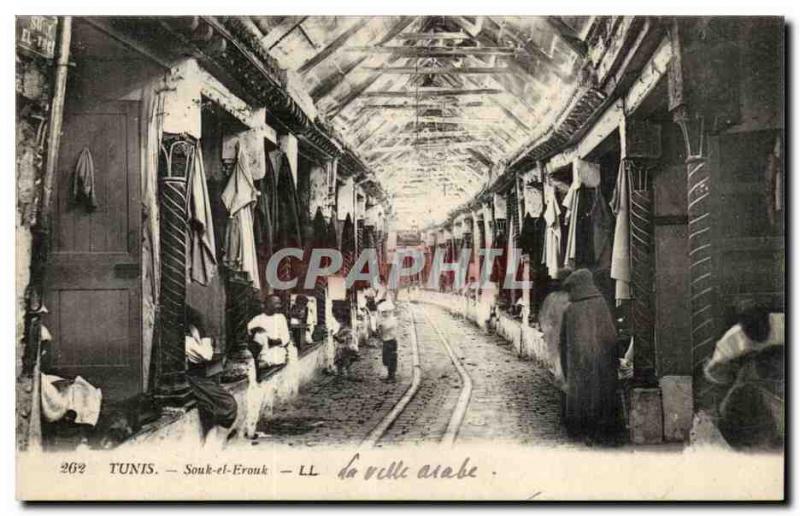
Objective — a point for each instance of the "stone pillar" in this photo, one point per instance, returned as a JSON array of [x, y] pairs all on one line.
[[171, 387]]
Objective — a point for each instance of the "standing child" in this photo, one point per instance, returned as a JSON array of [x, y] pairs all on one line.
[[388, 331], [346, 348]]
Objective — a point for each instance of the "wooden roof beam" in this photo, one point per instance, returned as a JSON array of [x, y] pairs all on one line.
[[568, 35], [426, 36], [279, 33], [530, 47], [414, 107], [330, 83], [447, 70], [481, 157], [432, 93], [440, 51], [353, 94], [333, 46]]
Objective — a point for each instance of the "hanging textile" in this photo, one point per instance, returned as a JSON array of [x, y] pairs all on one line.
[[287, 228], [150, 122], [239, 198], [584, 236], [602, 221], [264, 216], [286, 214], [202, 247], [532, 196], [83, 193], [552, 241], [620, 254], [319, 240], [331, 240], [531, 242], [572, 204], [531, 238], [499, 264], [348, 245]]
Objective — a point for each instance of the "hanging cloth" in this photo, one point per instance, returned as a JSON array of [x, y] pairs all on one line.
[[320, 241], [319, 231], [530, 238], [552, 239], [621, 252], [572, 203], [287, 219], [499, 265], [331, 240], [83, 181], [584, 229], [288, 212], [265, 215], [239, 197], [202, 247], [348, 245], [602, 221]]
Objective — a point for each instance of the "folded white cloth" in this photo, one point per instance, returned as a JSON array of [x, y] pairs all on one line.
[[59, 395]]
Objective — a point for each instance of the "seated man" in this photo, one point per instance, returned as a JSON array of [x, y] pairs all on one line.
[[271, 345], [217, 406], [749, 362], [269, 334]]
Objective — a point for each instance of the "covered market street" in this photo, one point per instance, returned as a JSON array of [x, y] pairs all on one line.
[[247, 231]]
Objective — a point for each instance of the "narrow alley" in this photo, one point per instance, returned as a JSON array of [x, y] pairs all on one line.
[[512, 400]]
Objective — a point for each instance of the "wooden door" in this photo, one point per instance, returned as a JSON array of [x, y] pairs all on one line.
[[94, 291]]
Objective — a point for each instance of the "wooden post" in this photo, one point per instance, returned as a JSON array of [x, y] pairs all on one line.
[[702, 102], [31, 426]]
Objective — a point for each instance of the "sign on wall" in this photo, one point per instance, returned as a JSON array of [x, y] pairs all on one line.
[[37, 34]]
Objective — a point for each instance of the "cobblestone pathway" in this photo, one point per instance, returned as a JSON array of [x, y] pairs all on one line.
[[332, 410], [425, 419], [512, 400]]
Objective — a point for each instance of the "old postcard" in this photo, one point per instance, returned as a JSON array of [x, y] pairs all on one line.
[[526, 258]]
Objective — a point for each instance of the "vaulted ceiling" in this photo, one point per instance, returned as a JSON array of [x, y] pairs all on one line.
[[432, 104]]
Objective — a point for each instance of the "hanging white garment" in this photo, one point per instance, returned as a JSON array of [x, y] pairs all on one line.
[[239, 197], [60, 395], [621, 252], [570, 202], [552, 236], [533, 201], [202, 247]]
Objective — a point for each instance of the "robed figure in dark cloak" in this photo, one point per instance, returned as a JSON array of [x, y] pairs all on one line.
[[589, 360]]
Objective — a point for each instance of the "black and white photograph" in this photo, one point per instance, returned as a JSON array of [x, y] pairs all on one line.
[[400, 257]]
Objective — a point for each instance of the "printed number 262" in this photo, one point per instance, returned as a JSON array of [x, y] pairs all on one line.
[[72, 468]]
